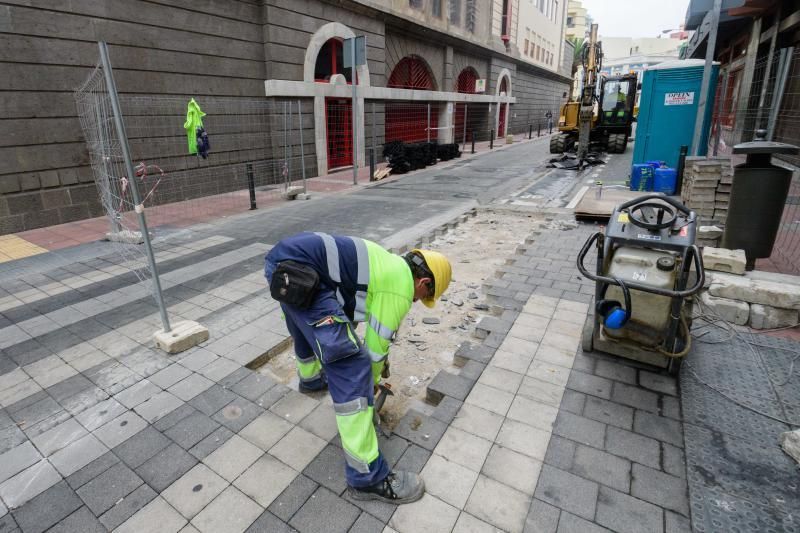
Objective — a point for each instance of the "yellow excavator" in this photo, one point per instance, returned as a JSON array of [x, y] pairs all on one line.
[[603, 120]]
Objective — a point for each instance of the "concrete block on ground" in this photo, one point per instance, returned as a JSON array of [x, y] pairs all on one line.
[[733, 311], [767, 317], [724, 260], [447, 384], [790, 442], [756, 291], [184, 335], [709, 232], [292, 192], [125, 236], [468, 352], [303, 196]]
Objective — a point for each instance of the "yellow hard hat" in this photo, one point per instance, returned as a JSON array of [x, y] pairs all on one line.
[[440, 268]]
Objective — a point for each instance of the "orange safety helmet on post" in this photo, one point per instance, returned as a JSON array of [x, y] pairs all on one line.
[[439, 266]]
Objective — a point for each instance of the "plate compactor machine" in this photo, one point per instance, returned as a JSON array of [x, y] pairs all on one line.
[[646, 260]]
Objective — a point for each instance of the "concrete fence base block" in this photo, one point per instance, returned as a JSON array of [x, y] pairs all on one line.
[[304, 196], [184, 335], [767, 317], [746, 289], [733, 261], [731, 311], [125, 236], [790, 441], [292, 192]]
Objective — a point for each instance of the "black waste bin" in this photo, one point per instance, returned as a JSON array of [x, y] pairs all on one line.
[[757, 199]]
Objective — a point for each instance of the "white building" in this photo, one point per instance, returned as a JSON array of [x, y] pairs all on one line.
[[540, 32]]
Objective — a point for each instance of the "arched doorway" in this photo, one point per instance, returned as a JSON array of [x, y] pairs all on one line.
[[503, 116], [465, 83], [407, 121], [338, 111]]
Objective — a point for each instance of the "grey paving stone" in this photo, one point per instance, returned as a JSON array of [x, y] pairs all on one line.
[[659, 427], [673, 460], [472, 370], [272, 396], [191, 430], [233, 457], [78, 454], [567, 491], [269, 523], [616, 371], [671, 407], [602, 468], [637, 448], [28, 484], [542, 518], [235, 377], [470, 352], [367, 524], [208, 445], [634, 396], [159, 406], [237, 414], [231, 511], [327, 469], [658, 382], [293, 497], [477, 421], [674, 523], [11, 437], [251, 482], [420, 429], [560, 452], [253, 386], [584, 363], [92, 470], [100, 414], [212, 400], [43, 426], [165, 467], [381, 511], [445, 384], [511, 468], [137, 393], [174, 417], [47, 509], [608, 412], [589, 384], [392, 448], [8, 524], [340, 514], [194, 490], [127, 507], [661, 489], [321, 422], [294, 406], [58, 437], [81, 521], [18, 459], [190, 386], [26, 402], [569, 523], [33, 414], [414, 459], [298, 448], [69, 387], [170, 375], [101, 493], [120, 429], [141, 447], [580, 429], [627, 514]]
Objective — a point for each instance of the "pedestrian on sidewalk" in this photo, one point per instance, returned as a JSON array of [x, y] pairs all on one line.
[[326, 284]]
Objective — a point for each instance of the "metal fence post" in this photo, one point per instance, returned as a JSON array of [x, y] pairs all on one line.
[[491, 139], [138, 206], [374, 126], [472, 134], [285, 150], [429, 123], [538, 129], [530, 131], [354, 121], [302, 148], [251, 185], [465, 126]]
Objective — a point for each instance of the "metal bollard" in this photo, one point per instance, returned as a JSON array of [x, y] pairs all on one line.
[[472, 134], [371, 164], [530, 131], [538, 129], [251, 184], [681, 167], [491, 139]]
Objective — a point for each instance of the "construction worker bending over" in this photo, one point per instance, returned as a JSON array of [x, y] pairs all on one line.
[[325, 284]]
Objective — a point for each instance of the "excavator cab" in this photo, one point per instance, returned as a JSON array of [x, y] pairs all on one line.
[[617, 100]]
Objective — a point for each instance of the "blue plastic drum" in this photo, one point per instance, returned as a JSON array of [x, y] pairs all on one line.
[[666, 180], [642, 175]]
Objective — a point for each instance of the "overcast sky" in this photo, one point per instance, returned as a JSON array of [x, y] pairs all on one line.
[[636, 18]]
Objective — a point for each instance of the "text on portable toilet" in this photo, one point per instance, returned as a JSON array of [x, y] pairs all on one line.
[[684, 98]]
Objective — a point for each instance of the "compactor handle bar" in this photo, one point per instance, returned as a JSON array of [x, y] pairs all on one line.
[[656, 196], [692, 250]]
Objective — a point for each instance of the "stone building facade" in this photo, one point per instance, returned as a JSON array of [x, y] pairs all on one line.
[[248, 49]]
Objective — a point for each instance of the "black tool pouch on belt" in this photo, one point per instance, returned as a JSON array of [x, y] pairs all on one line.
[[294, 284]]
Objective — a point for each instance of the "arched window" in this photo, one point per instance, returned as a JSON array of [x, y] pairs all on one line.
[[412, 72], [330, 61], [466, 118], [466, 81]]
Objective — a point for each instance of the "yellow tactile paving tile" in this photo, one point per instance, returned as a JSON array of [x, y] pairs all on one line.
[[13, 247]]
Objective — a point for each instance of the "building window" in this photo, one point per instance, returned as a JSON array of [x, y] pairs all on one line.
[[330, 61], [436, 8], [570, 23], [470, 16], [415, 3], [455, 12], [526, 46], [412, 72], [555, 10]]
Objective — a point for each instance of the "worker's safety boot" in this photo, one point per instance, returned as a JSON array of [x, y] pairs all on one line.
[[398, 488]]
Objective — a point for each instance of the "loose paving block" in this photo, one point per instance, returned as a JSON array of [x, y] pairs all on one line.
[[608, 412], [340, 514], [733, 311], [446, 410], [478, 421], [448, 481], [165, 467], [470, 352], [127, 507], [767, 317], [157, 515], [567, 491], [420, 429], [446, 384], [120, 429], [756, 291], [464, 448], [724, 260], [251, 482], [298, 448], [294, 407], [658, 427], [533, 413], [580, 429], [513, 469], [499, 505], [18, 459], [661, 489], [626, 514], [233, 457], [590, 384], [183, 335], [159, 406], [191, 430], [637, 448], [602, 467], [194, 490], [524, 439], [29, 483], [101, 493], [430, 514], [47, 509], [490, 399], [293, 497]]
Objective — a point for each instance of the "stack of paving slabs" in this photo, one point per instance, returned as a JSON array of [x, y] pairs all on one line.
[[707, 187]]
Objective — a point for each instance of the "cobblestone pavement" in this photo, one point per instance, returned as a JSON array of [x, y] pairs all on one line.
[[99, 432]]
